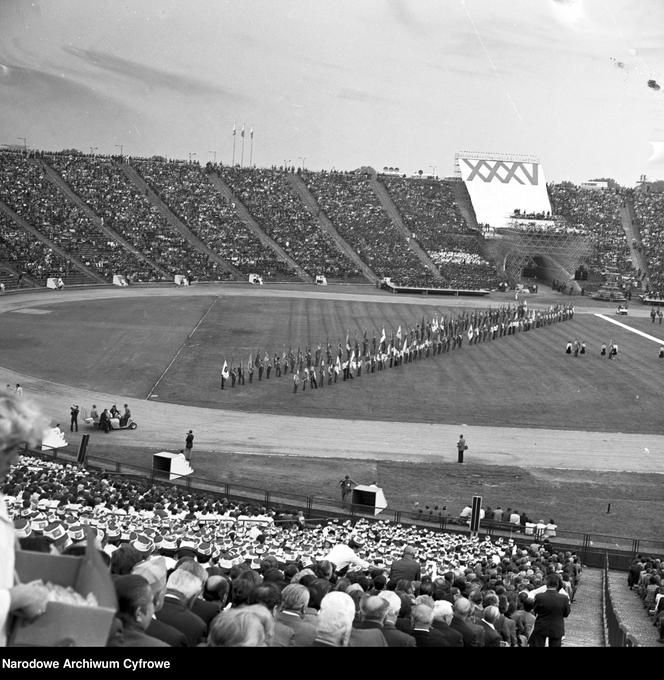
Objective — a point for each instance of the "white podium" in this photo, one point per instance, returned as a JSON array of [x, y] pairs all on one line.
[[369, 496], [53, 438], [170, 465]]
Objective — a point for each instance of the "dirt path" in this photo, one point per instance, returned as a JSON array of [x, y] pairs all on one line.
[[163, 425]]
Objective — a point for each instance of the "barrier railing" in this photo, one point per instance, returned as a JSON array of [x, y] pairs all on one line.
[[616, 633], [592, 549]]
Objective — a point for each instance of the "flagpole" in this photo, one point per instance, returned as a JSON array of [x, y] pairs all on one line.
[[242, 156], [233, 165], [251, 146]]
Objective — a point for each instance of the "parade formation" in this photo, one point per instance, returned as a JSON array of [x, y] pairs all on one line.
[[328, 363]]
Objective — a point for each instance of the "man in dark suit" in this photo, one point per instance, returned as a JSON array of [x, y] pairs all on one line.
[[368, 631], [473, 635], [394, 636], [182, 588], [424, 634], [492, 638], [294, 600], [407, 567], [442, 617], [551, 609]]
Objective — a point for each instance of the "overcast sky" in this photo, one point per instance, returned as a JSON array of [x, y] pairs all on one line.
[[342, 83]]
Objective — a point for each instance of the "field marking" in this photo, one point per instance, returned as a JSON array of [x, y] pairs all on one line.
[[182, 346], [629, 328]]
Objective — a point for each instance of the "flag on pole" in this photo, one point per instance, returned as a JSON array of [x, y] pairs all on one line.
[[250, 363], [470, 332], [337, 365], [234, 130], [382, 337], [224, 370], [347, 343], [242, 131], [251, 133], [399, 333]]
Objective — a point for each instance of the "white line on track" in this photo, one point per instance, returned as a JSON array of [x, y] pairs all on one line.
[[629, 328], [182, 346]]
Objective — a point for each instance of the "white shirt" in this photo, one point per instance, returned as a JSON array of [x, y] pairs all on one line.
[[342, 556], [7, 544]]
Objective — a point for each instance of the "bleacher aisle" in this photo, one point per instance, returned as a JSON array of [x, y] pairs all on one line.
[[583, 627]]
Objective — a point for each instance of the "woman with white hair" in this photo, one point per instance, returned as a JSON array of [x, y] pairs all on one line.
[[21, 423], [335, 620]]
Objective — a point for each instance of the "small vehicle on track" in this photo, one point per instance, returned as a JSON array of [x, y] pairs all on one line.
[[622, 310], [114, 424]]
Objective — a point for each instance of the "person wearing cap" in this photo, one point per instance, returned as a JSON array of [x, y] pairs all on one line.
[[20, 423], [408, 567]]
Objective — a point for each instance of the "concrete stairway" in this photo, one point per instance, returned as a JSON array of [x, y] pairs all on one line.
[[248, 219], [393, 213], [312, 206], [90, 274], [465, 205], [9, 276], [175, 222], [57, 180], [584, 626]]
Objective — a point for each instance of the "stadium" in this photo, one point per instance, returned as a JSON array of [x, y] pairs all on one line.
[[309, 327]]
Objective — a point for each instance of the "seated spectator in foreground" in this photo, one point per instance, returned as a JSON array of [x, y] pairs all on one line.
[[424, 634], [248, 626], [135, 611], [335, 620], [473, 635], [368, 631], [153, 570], [443, 613], [394, 636], [269, 596], [182, 589], [294, 601]]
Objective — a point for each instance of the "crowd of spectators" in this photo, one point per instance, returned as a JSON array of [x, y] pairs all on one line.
[[100, 182], [649, 218], [429, 210], [185, 189], [598, 213], [270, 199], [32, 257], [26, 190], [351, 204], [646, 577], [217, 573]]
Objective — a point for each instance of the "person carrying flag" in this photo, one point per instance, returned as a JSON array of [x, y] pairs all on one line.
[[224, 374]]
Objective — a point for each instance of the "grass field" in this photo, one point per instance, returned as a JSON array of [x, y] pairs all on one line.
[[525, 380], [174, 347]]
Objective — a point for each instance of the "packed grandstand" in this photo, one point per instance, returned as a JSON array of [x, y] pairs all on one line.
[[191, 568], [85, 218]]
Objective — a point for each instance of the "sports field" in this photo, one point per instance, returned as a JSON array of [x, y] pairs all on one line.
[[548, 431], [172, 350]]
